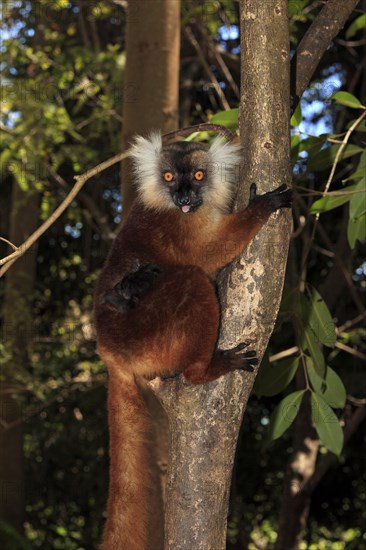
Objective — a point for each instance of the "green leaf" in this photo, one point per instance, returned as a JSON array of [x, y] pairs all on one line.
[[347, 99], [274, 378], [321, 320], [356, 230], [308, 340], [325, 158], [296, 118], [357, 206], [332, 200], [357, 24], [284, 414], [230, 119], [311, 345], [331, 389], [326, 424], [295, 148]]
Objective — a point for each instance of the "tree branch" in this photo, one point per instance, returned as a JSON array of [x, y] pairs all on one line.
[[80, 182], [326, 26]]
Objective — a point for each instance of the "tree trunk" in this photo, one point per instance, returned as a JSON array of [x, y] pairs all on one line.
[[151, 80], [150, 102], [18, 333], [205, 420]]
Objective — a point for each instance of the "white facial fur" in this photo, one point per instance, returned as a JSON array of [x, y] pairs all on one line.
[[222, 165]]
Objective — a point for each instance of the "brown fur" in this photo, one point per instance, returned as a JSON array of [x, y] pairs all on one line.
[[174, 327]]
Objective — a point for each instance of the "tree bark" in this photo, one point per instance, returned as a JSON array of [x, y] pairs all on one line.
[[151, 80], [18, 333], [205, 420]]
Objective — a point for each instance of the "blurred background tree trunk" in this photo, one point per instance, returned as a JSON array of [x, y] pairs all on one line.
[[18, 334], [151, 79]]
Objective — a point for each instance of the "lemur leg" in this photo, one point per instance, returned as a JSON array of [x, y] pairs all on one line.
[[223, 361], [173, 328]]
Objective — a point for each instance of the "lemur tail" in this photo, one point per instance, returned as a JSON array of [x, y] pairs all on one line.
[[128, 502]]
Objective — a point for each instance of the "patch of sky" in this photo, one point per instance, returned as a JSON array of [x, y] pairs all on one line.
[[317, 115], [74, 230], [360, 274], [229, 32], [317, 118]]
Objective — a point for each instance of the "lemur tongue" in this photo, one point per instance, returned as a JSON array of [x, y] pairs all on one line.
[[186, 208]]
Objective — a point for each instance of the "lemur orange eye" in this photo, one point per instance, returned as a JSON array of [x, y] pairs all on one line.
[[168, 176], [199, 175]]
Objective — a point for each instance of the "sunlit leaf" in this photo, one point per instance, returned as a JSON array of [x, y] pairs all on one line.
[[347, 99], [297, 116], [229, 119]]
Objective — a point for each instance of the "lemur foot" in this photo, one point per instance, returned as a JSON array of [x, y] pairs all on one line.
[[239, 361], [128, 292], [281, 197]]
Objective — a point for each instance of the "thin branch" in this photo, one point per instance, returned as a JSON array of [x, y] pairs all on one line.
[[192, 39], [220, 61], [340, 151], [80, 182], [204, 127], [329, 181], [87, 201], [8, 261], [352, 322], [285, 353], [9, 243], [351, 351]]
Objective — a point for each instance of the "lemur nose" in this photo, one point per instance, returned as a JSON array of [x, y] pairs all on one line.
[[184, 199]]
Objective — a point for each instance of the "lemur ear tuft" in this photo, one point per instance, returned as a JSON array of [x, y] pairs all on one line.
[[225, 152], [146, 150]]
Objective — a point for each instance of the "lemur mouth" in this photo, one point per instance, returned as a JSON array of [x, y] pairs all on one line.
[[187, 208]]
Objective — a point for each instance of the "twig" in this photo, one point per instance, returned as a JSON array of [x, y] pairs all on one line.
[[80, 182], [9, 243], [329, 181], [88, 202], [340, 151], [204, 127], [8, 261], [192, 39], [351, 351], [352, 322], [285, 353]]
